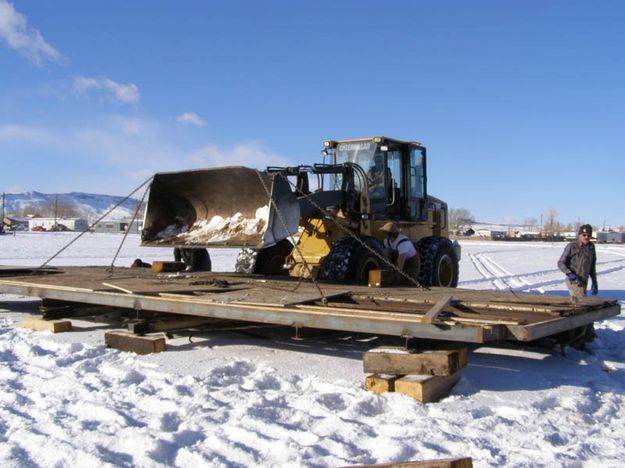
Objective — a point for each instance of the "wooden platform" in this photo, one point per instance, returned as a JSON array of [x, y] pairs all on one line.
[[438, 313]]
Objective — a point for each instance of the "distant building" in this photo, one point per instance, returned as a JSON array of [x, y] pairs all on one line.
[[528, 235], [117, 226], [611, 237], [15, 224], [569, 236], [62, 224]]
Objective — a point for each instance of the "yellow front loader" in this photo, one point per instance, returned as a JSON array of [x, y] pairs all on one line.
[[332, 211]]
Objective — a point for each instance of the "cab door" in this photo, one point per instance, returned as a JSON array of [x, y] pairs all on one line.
[[416, 183]]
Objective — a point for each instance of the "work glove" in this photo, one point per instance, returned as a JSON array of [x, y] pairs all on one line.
[[594, 289], [572, 277]]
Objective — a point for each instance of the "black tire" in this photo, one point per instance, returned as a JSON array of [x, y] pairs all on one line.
[[350, 261], [246, 261], [363, 261], [336, 264], [439, 263], [271, 260]]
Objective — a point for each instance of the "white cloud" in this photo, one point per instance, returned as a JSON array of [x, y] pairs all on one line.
[[27, 41], [191, 118], [22, 133], [126, 93], [125, 152], [249, 154]]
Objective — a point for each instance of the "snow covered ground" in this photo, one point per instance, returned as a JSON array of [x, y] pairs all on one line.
[[259, 398]]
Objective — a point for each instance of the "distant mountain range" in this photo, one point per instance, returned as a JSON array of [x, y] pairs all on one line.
[[75, 204]]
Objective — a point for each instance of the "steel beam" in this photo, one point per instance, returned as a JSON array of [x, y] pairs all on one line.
[[380, 322]]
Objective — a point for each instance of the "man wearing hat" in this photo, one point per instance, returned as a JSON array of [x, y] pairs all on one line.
[[578, 262], [399, 250]]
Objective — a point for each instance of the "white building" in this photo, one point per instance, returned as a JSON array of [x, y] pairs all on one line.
[[72, 224], [119, 226]]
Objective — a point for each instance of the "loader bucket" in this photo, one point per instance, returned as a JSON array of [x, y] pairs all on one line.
[[221, 207]]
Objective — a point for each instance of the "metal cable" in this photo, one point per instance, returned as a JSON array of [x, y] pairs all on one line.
[[324, 300], [134, 217], [354, 236], [92, 225]]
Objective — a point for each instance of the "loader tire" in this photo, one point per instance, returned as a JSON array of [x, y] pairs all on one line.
[[350, 261], [336, 264], [271, 260], [246, 261], [363, 260], [439, 263]]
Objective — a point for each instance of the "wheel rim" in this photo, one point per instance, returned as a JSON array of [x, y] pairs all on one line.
[[445, 271], [368, 265]]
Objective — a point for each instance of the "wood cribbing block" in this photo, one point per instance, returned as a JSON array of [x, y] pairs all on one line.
[[426, 388], [39, 324], [463, 350], [165, 267], [125, 341], [388, 361], [382, 278], [380, 383], [464, 462]]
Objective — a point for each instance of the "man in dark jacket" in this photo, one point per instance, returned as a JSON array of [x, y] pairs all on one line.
[[578, 262]]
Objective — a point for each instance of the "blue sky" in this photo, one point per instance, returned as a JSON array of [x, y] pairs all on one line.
[[520, 103]]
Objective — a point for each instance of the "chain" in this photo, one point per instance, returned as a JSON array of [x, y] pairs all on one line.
[[93, 224], [354, 236], [324, 300], [134, 217]]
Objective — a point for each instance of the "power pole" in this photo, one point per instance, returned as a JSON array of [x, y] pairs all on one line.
[[2, 219], [56, 206]]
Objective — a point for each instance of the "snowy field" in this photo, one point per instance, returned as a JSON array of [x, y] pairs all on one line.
[[262, 399]]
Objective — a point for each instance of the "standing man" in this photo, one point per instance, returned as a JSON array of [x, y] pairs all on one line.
[[579, 262], [400, 251]]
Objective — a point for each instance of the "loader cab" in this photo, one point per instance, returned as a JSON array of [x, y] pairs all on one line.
[[391, 173]]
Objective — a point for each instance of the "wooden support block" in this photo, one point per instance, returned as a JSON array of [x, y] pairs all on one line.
[[125, 341], [427, 363], [463, 350], [166, 267], [382, 278], [465, 462], [39, 324], [426, 388], [380, 383]]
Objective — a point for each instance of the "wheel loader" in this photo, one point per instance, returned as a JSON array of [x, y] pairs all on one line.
[[332, 211]]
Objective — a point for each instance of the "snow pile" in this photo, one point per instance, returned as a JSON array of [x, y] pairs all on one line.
[[219, 229]]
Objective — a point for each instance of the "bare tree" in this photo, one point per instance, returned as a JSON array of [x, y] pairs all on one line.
[[60, 209], [28, 210], [551, 226], [530, 223], [460, 218]]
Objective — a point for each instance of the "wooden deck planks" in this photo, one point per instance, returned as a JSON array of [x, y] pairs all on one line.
[[498, 315]]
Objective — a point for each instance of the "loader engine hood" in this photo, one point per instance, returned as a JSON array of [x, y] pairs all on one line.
[[221, 207]]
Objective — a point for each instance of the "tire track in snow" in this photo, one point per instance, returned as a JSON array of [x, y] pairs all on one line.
[[513, 280], [487, 273], [487, 277], [498, 276]]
